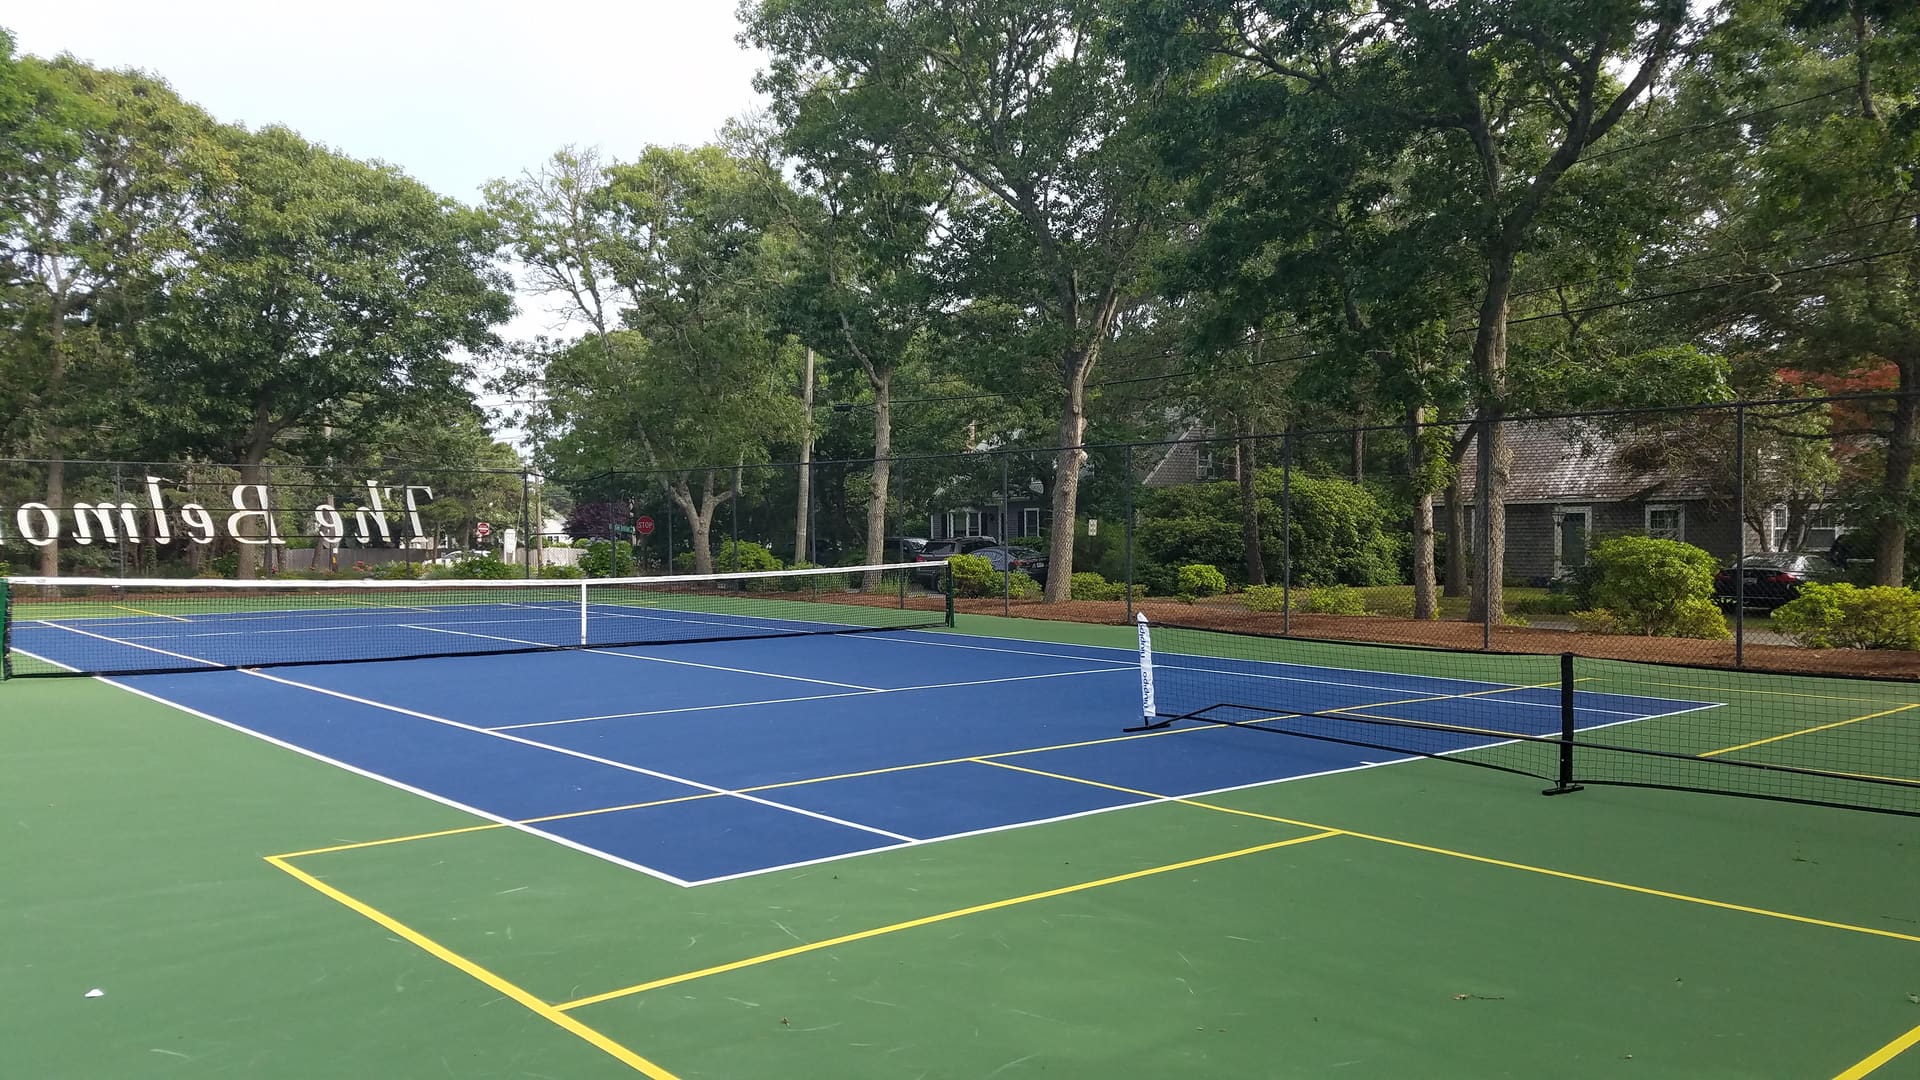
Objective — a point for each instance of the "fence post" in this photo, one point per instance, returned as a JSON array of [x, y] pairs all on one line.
[[526, 533], [1006, 577], [1483, 530], [1129, 532], [667, 560], [733, 561], [1740, 536], [118, 498], [1286, 531]]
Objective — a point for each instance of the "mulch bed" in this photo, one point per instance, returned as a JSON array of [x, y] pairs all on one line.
[[1466, 635]]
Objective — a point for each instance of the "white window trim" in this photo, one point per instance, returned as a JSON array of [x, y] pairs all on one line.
[[1646, 519], [1030, 521]]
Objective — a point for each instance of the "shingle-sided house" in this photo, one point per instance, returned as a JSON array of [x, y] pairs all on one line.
[[1570, 483]]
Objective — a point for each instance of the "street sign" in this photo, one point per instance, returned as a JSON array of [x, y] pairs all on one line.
[[643, 525], [483, 530]]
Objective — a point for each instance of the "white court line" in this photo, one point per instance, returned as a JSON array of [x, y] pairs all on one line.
[[656, 659], [810, 697], [540, 745], [377, 777]]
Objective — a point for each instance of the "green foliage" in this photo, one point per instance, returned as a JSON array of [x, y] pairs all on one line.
[[1598, 621], [1849, 617], [1200, 579], [607, 558], [482, 568], [973, 575], [1022, 587], [1343, 533], [1697, 618], [747, 558], [1655, 587], [1091, 586], [226, 565], [1264, 598], [1156, 579], [1333, 600], [1037, 543], [557, 572]]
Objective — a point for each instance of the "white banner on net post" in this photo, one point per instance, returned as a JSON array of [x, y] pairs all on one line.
[[1146, 669]]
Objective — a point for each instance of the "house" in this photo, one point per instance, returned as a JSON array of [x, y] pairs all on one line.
[[1570, 482]]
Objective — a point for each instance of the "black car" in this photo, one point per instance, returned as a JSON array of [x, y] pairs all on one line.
[[1773, 578], [936, 552], [1024, 559]]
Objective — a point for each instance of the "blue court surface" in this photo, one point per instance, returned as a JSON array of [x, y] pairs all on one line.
[[704, 762]]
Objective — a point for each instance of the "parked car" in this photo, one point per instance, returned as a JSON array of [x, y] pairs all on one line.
[[936, 553], [1024, 559], [1773, 578], [455, 558], [908, 548]]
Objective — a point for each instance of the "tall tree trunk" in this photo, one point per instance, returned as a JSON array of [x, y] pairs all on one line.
[[1359, 454], [803, 498], [1425, 605], [1249, 503], [253, 471], [881, 380], [1896, 486], [1066, 474], [57, 499], [699, 513], [1458, 542], [1490, 488]]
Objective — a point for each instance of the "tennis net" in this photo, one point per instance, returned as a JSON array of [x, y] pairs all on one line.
[[1566, 720], [102, 626]]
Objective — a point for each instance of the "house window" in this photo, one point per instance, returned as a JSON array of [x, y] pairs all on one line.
[[963, 523], [1818, 532], [1203, 461], [1030, 521], [1666, 522]]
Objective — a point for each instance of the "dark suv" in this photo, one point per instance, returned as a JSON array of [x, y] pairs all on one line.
[[936, 552]]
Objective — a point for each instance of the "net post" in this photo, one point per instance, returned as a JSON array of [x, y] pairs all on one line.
[[1564, 782], [946, 582], [6, 630], [583, 611], [1149, 712]]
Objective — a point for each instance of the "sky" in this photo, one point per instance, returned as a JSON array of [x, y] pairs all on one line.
[[454, 93]]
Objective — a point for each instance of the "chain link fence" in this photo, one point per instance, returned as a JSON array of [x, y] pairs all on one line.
[[1366, 533]]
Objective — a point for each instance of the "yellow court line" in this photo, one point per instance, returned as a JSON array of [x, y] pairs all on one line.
[[532, 1003], [928, 920], [155, 614], [1450, 697], [1808, 731], [492, 825], [1739, 690], [1882, 1056], [1489, 861]]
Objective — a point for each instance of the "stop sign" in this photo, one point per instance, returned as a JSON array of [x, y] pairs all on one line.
[[643, 525], [483, 530]]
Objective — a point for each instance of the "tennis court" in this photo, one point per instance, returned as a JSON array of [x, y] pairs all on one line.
[[846, 841]]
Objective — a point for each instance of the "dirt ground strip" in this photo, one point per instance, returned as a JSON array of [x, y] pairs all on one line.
[[1467, 635]]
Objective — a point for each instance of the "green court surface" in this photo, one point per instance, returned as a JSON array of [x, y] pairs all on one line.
[[250, 912]]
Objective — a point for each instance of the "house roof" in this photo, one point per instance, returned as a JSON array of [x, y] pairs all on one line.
[[1568, 461], [1183, 462]]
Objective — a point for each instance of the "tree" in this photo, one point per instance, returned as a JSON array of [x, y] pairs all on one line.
[[323, 297], [1029, 107], [1811, 217], [1490, 103], [96, 168]]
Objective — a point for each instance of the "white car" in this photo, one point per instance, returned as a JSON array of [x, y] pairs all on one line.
[[455, 558]]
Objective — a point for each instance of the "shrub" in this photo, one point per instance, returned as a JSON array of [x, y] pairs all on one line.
[[747, 558], [1334, 600], [484, 567], [1021, 587], [1597, 621], [6, 568], [397, 570], [1553, 603], [557, 571], [1699, 618], [1037, 543], [1200, 579], [1264, 598], [607, 558], [1849, 617], [1342, 532], [1156, 579], [1653, 586], [973, 575], [1091, 586], [225, 565]]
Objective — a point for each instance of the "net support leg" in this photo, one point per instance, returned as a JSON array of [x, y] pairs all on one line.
[[1568, 727], [1149, 713], [583, 612]]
